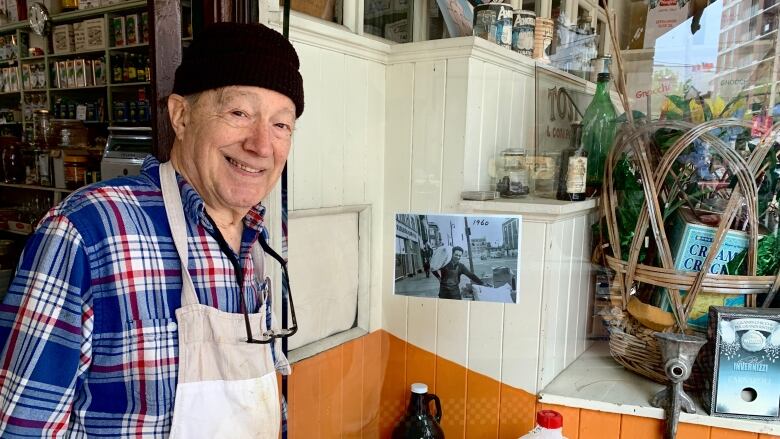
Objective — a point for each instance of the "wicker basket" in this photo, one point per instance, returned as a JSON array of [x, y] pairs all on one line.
[[631, 343]]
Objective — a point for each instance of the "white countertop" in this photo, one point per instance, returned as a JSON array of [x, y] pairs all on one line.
[[533, 206], [596, 382]]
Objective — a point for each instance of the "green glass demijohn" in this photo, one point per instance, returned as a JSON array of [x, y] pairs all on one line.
[[598, 132], [417, 422]]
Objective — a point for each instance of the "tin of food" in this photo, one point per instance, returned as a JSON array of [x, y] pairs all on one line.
[[493, 22], [523, 32]]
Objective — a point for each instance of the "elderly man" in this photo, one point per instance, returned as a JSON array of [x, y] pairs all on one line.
[[139, 307]]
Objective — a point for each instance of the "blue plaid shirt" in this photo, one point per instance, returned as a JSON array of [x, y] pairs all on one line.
[[88, 334]]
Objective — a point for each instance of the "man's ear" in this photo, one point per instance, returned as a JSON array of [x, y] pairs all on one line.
[[179, 114]]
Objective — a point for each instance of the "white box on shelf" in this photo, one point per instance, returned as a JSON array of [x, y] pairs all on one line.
[[79, 37], [62, 38], [96, 34]]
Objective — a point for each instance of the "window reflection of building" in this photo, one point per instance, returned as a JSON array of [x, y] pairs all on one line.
[[747, 51], [509, 230], [408, 242], [479, 246]]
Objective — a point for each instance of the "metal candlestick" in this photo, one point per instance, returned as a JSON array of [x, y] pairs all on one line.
[[678, 352]]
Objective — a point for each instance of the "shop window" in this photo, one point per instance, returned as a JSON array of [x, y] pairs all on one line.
[[389, 19], [328, 10]]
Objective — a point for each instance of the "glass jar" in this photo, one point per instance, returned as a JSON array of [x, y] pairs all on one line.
[[41, 128], [75, 171], [512, 174]]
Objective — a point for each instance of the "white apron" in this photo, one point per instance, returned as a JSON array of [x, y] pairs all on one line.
[[226, 387]]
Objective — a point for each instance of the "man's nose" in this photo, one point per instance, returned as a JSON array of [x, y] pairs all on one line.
[[259, 140]]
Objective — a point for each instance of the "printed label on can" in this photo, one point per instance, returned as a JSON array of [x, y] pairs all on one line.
[[575, 176]]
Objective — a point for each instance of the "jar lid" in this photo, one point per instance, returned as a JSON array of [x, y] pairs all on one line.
[[549, 419]]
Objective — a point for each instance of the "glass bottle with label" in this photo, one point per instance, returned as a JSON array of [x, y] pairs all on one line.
[[598, 132], [574, 168]]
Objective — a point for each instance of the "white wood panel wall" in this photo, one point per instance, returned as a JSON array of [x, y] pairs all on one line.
[[407, 128], [451, 106], [339, 141]]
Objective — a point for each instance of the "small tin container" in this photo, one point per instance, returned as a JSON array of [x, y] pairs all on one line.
[[523, 32], [543, 35], [493, 22]]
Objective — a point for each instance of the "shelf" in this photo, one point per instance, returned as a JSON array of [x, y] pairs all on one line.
[[92, 12], [71, 89], [533, 206], [595, 381], [9, 93], [128, 46], [34, 58], [76, 54], [35, 188], [129, 84], [9, 123], [8, 61]]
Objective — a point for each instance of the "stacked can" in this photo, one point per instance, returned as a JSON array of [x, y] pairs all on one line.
[[543, 35], [523, 32], [493, 22]]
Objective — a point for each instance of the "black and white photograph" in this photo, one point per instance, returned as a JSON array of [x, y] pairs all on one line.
[[457, 256]]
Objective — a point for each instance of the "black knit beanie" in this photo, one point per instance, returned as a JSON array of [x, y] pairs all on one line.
[[227, 54]]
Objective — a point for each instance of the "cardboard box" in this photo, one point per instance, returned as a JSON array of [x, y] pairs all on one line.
[[71, 72], [96, 34], [663, 16], [38, 76], [62, 74], [118, 31], [741, 360], [87, 4], [14, 72], [79, 37], [143, 27], [16, 10], [131, 29], [79, 74], [26, 75], [690, 242], [98, 72], [88, 78], [62, 39]]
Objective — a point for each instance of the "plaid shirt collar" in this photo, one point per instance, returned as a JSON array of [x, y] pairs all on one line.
[[194, 207]]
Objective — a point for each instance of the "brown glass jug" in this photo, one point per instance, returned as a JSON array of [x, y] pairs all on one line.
[[417, 422]]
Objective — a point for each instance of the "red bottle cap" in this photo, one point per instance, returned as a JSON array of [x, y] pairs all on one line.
[[549, 419]]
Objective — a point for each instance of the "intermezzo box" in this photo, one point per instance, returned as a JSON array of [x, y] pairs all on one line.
[[131, 29], [743, 359], [690, 242], [118, 30]]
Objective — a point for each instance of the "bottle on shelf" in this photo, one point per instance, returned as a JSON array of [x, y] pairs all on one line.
[[574, 167], [549, 425], [598, 132], [417, 422]]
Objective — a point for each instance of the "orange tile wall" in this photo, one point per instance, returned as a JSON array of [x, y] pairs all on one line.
[[360, 390]]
